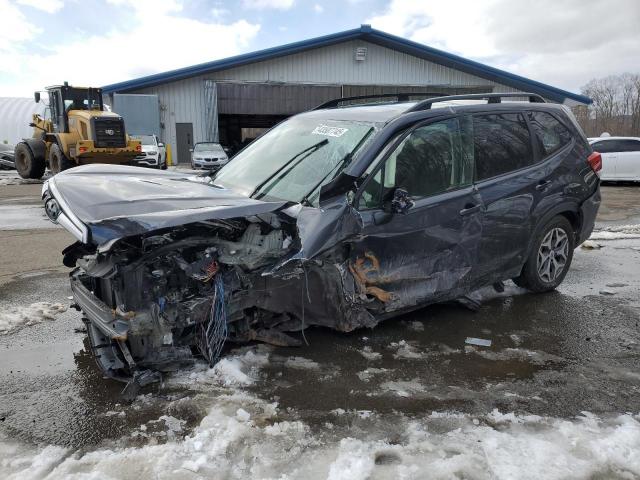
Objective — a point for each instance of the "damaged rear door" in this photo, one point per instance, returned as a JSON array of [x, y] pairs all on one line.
[[422, 218]]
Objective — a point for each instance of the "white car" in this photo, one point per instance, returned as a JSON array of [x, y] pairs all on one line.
[[620, 157], [208, 156], [154, 153]]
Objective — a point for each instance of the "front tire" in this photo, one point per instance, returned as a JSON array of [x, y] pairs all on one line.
[[58, 162], [550, 257], [27, 165]]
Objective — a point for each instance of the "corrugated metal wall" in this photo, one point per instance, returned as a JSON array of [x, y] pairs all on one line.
[[141, 113], [328, 68], [15, 116]]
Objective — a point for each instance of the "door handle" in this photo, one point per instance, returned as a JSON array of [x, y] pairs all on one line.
[[469, 209], [542, 185]]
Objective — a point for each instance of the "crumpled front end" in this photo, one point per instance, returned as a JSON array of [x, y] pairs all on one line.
[[154, 301]]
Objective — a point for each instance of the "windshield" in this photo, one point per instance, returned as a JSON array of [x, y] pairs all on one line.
[[145, 139], [293, 160], [78, 99], [208, 147]]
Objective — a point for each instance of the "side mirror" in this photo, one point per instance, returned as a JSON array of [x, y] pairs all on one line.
[[160, 145], [36, 96], [191, 150], [401, 201]]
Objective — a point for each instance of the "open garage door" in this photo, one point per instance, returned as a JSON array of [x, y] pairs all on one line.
[[270, 99], [246, 110]]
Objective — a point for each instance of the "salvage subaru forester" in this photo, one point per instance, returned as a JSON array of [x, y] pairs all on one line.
[[342, 216]]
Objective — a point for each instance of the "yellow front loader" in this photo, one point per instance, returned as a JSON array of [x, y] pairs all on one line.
[[74, 130]]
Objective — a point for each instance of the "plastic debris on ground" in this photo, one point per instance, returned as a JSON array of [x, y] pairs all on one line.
[[480, 342]]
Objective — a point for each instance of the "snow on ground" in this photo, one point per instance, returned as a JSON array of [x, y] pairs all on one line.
[[245, 437], [368, 353], [488, 293], [616, 232], [242, 438], [519, 354], [12, 319], [301, 363]]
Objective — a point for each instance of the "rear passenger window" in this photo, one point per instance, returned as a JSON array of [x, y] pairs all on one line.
[[629, 146], [550, 134], [502, 144]]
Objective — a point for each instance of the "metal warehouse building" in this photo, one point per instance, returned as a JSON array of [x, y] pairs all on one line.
[[233, 99]]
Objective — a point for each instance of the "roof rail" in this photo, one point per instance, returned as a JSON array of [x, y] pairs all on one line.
[[401, 97], [490, 97]]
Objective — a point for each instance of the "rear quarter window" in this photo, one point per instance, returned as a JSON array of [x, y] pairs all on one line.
[[502, 144], [630, 146], [606, 146], [549, 133]]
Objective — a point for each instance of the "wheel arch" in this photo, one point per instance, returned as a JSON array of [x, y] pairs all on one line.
[[568, 209]]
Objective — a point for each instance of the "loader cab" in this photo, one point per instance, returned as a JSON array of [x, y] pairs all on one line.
[[64, 98]]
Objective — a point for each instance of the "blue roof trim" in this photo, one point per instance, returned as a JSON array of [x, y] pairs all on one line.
[[365, 32]]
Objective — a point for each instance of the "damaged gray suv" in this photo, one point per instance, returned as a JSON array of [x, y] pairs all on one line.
[[342, 216]]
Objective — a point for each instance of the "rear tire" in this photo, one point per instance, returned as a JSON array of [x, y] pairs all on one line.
[[58, 162], [550, 257], [27, 165]]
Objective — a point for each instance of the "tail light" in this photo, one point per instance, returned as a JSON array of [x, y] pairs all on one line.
[[82, 149], [595, 161]]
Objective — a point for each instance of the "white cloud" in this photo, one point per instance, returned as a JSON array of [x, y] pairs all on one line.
[[318, 8], [49, 6], [564, 43], [159, 40], [218, 12], [15, 28], [268, 4]]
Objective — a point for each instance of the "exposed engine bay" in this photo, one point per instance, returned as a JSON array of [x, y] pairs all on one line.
[[154, 301]]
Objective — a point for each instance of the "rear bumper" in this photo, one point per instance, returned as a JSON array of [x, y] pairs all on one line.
[[588, 212]]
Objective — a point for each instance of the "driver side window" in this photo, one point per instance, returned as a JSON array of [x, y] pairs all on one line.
[[430, 160]]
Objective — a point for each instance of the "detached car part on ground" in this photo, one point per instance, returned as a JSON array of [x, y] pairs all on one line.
[[339, 217]]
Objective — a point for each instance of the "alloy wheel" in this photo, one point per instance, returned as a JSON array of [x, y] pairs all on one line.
[[553, 254]]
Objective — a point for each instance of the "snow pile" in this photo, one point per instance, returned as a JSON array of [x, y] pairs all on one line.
[[517, 354], [406, 351], [368, 353], [253, 443], [367, 374], [488, 293], [403, 388], [301, 363], [13, 319], [617, 232]]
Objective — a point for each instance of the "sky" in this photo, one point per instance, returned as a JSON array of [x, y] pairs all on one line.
[[564, 43]]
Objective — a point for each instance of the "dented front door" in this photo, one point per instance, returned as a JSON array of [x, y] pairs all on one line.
[[428, 253]]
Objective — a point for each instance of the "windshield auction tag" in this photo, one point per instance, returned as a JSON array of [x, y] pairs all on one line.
[[329, 131]]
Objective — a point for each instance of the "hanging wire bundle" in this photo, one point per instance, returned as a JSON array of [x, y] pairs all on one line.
[[213, 332]]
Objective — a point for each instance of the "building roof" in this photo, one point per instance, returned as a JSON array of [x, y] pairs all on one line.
[[366, 33]]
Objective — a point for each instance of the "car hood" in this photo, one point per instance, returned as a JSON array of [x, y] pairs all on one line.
[[114, 201]]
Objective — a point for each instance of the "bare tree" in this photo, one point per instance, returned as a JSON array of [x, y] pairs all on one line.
[[615, 108]]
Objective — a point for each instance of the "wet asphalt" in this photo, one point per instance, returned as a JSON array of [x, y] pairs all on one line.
[[555, 354]]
